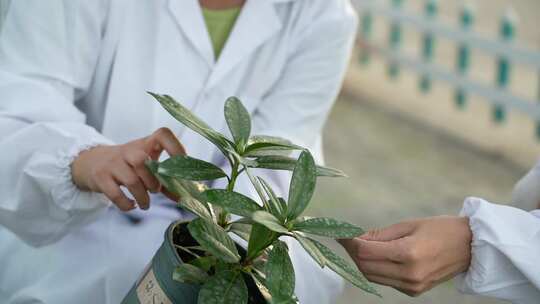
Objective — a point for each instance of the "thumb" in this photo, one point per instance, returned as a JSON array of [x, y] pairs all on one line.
[[389, 233]]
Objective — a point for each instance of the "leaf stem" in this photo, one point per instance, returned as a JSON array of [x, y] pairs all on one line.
[[256, 185], [187, 250]]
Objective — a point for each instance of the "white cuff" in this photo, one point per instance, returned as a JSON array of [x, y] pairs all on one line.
[[65, 193], [503, 252], [43, 204]]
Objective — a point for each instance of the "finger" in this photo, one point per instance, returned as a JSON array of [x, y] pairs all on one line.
[[389, 233], [373, 250], [410, 289], [136, 159], [395, 283], [172, 196], [111, 189], [125, 175], [383, 268], [164, 139]]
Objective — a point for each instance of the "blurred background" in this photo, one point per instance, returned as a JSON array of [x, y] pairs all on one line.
[[415, 125], [417, 147]]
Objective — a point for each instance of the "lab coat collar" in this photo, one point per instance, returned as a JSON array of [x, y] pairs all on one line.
[[188, 15], [257, 23]]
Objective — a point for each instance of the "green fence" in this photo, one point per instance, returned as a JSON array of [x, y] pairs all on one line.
[[505, 51]]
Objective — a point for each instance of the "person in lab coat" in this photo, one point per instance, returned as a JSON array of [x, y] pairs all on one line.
[[76, 125], [492, 250]]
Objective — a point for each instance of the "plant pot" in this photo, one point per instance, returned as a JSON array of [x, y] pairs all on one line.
[[156, 284]]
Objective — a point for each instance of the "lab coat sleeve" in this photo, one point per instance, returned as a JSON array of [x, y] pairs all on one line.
[[505, 252], [526, 194], [48, 50], [296, 108]]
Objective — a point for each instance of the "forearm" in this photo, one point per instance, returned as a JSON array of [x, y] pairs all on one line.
[[38, 200]]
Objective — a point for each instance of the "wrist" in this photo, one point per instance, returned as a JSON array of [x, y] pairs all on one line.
[[466, 237], [80, 168]]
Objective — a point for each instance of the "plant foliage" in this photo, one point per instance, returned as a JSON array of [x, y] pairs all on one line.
[[221, 270]]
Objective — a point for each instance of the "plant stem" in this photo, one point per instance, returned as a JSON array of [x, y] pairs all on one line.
[[234, 175], [187, 250], [224, 215]]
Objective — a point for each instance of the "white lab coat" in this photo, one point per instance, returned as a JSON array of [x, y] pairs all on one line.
[[73, 74], [505, 261]]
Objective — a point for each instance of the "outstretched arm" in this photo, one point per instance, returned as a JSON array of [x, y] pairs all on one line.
[[414, 256], [493, 249]]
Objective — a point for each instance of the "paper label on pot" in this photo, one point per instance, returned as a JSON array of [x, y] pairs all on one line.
[[149, 291]]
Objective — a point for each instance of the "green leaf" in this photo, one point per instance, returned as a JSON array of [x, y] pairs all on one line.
[[241, 230], [344, 269], [189, 274], [232, 202], [302, 185], [276, 162], [187, 202], [221, 266], [256, 185], [311, 249], [185, 167], [280, 273], [329, 227], [193, 189], [244, 220], [186, 117], [194, 206], [260, 238], [261, 285], [274, 205], [205, 263], [152, 166], [263, 145], [286, 301], [283, 203], [227, 287], [269, 221], [214, 239], [238, 120], [188, 191]]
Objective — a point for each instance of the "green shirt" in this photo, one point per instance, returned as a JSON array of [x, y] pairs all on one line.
[[220, 24]]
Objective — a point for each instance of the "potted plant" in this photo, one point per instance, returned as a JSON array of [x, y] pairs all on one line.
[[198, 261]]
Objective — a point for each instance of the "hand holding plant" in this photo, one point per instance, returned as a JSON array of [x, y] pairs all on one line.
[[104, 169], [416, 255]]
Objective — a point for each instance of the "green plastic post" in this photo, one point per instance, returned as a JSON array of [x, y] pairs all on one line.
[[538, 122], [431, 8], [466, 21], [507, 34], [395, 40], [365, 36]]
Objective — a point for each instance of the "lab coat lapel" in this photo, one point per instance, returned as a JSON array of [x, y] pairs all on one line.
[[188, 16], [257, 23]]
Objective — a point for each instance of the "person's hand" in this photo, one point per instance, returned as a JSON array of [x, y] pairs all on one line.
[[105, 168], [414, 256]]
